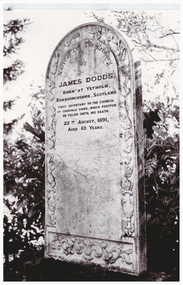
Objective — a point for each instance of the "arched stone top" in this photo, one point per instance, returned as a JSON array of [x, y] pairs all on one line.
[[106, 35], [94, 149]]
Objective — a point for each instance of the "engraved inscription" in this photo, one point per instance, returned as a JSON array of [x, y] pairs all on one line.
[[91, 150]]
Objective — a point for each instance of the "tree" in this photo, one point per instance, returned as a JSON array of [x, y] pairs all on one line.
[[157, 41], [23, 156], [146, 31], [24, 162], [12, 35], [162, 186], [24, 178]]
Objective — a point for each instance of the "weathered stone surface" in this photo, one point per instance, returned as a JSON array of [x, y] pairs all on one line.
[[94, 151]]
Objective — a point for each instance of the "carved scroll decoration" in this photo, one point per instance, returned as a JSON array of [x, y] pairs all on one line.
[[69, 247], [51, 198], [105, 38], [124, 64], [90, 249], [50, 142]]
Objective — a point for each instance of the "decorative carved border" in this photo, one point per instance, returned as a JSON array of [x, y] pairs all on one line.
[[108, 254], [128, 72]]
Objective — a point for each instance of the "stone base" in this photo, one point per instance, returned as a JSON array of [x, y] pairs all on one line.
[[48, 269]]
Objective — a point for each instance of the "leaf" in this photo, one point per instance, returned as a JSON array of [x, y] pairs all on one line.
[[160, 210], [151, 222], [166, 200], [151, 198], [173, 179], [173, 209], [160, 132], [148, 217], [162, 189], [151, 164], [21, 204], [31, 212], [171, 141]]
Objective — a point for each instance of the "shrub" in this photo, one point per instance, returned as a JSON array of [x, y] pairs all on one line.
[[162, 185]]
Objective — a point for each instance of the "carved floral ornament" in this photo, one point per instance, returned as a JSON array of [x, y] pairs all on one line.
[[103, 38], [90, 249]]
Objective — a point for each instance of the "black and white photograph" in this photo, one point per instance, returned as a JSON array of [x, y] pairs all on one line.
[[91, 128]]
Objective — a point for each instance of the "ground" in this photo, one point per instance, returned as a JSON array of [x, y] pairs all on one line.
[[43, 269]]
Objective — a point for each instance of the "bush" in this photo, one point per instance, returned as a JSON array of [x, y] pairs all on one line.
[[23, 235], [162, 185]]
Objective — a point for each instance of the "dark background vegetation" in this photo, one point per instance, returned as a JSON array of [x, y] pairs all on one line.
[[24, 176]]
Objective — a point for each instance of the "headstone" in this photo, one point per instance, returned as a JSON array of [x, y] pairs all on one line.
[[95, 205]]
